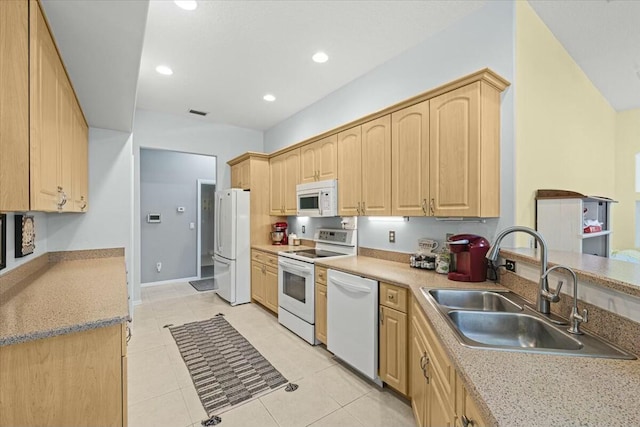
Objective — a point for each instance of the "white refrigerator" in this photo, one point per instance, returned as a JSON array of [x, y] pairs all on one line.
[[232, 270]]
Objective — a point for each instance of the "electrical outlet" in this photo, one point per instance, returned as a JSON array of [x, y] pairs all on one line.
[[158, 266], [392, 236], [510, 265]]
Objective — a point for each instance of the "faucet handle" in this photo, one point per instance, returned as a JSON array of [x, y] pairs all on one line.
[[585, 318], [554, 296]]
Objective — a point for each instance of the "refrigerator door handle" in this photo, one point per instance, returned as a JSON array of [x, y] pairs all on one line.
[[218, 224]]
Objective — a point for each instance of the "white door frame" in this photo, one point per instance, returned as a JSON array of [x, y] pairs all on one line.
[[198, 221]]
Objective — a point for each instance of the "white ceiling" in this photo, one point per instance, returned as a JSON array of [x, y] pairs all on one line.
[[227, 54], [100, 42], [603, 37]]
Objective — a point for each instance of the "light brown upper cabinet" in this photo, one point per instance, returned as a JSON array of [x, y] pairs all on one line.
[[284, 175], [58, 131], [241, 175], [14, 106], [364, 169], [410, 157], [465, 152], [319, 160], [446, 155]]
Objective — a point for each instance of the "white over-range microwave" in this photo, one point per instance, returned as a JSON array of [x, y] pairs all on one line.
[[318, 198]]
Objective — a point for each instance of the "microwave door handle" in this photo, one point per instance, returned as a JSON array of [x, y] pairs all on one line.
[[320, 202]]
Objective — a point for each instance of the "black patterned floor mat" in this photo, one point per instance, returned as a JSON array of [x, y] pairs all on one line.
[[225, 368]]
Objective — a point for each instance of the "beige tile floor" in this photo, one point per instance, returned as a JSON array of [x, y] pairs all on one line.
[[161, 392]]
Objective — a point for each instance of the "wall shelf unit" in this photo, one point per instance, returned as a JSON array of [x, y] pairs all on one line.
[[560, 217]]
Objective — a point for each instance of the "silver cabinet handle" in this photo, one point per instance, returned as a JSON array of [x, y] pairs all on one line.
[[363, 209], [466, 422], [424, 206], [424, 362], [381, 316], [432, 207]]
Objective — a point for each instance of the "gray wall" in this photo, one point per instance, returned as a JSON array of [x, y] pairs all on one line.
[[186, 134], [168, 180], [482, 39]]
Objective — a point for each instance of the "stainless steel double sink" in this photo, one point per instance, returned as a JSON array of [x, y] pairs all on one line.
[[501, 320]]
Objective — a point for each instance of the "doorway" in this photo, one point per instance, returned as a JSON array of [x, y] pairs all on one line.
[[206, 237]]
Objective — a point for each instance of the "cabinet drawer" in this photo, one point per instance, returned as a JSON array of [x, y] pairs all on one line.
[[264, 258], [393, 297], [321, 275]]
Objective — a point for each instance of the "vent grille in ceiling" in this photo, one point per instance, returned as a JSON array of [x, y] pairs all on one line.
[[199, 113]]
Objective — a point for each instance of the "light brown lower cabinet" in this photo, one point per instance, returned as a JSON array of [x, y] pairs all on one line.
[[438, 397], [321, 304], [76, 379], [264, 279], [393, 337]]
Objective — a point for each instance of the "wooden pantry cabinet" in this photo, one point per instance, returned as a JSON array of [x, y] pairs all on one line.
[[264, 279], [393, 337], [43, 133], [364, 169], [321, 304], [319, 160], [75, 379], [284, 175]]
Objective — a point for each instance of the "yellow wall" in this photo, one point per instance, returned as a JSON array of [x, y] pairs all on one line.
[[565, 129], [627, 146]]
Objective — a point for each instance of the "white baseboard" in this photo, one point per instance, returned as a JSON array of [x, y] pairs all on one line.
[[166, 282]]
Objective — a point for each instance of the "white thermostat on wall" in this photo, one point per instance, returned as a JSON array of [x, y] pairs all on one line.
[[153, 217], [180, 208]]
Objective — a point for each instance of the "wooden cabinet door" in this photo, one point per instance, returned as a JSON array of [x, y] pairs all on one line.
[[327, 158], [350, 172], [291, 180], [393, 348], [376, 167], [271, 288], [257, 282], [276, 170], [245, 174], [236, 180], [321, 313], [308, 169], [80, 170], [410, 160], [44, 143], [14, 106], [455, 152], [418, 383], [66, 117], [439, 414]]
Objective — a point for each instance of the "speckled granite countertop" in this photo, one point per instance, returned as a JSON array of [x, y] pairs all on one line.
[[274, 249], [520, 389], [63, 297], [619, 275]]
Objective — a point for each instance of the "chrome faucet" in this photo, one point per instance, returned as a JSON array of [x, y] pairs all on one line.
[[575, 319], [545, 296]]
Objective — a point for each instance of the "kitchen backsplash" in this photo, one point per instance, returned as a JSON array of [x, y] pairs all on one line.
[[375, 233]]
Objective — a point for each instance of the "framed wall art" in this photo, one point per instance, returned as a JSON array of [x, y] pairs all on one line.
[[3, 241], [25, 235]]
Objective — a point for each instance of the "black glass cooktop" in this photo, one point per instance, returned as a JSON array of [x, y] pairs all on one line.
[[315, 253]]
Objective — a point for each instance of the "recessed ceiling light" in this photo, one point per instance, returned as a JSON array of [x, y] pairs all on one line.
[[186, 4], [320, 57], [164, 70], [269, 97]]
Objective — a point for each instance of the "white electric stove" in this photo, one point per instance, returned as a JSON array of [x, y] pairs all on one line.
[[296, 279]]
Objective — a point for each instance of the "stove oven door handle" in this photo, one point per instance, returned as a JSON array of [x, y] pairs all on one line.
[[294, 267]]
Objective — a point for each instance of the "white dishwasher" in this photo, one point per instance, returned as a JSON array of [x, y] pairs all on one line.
[[352, 321]]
